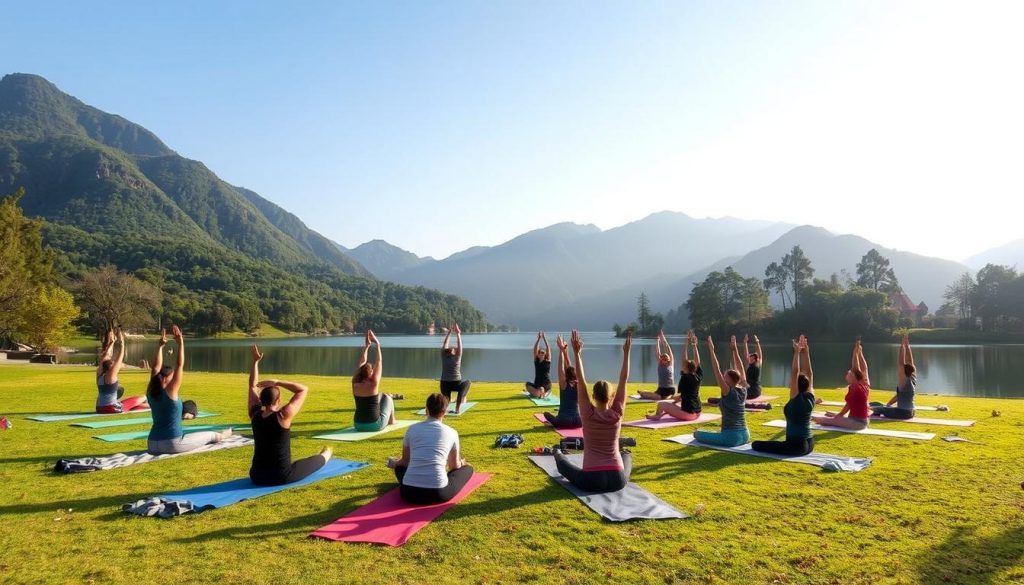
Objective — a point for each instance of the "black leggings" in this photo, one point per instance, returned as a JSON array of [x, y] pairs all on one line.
[[461, 388], [753, 391], [879, 409], [787, 447], [596, 481], [457, 479], [301, 469], [567, 422]]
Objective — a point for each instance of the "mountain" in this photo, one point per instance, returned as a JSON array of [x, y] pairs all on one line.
[[112, 192], [539, 273], [1011, 254], [385, 260]]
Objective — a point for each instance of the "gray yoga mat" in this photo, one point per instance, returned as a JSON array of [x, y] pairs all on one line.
[[630, 503], [822, 460]]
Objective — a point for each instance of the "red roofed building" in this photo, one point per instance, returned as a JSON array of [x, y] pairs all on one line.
[[906, 307]]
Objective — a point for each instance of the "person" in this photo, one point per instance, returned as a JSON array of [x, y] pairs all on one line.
[[451, 369], [431, 469], [374, 410], [854, 414], [685, 405], [733, 385], [907, 376], [666, 388], [109, 390], [541, 386], [604, 468], [167, 435], [568, 416], [799, 440], [271, 430], [753, 367]]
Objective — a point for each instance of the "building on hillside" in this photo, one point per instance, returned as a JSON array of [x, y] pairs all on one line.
[[906, 307]]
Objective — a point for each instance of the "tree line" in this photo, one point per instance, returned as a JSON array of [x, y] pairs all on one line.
[[992, 301]]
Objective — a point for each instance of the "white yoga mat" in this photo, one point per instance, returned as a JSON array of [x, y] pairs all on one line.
[[781, 424], [916, 407], [917, 420], [822, 460]]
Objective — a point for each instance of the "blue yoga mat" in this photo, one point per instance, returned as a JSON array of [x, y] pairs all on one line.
[[451, 408], [219, 495]]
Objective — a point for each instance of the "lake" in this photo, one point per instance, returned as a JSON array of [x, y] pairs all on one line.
[[967, 370]]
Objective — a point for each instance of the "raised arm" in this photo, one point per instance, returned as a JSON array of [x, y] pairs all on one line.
[[547, 348], [118, 361], [909, 352], [458, 340], [254, 405], [806, 368], [901, 373], [444, 344], [299, 393], [620, 392], [366, 349], [179, 367], [863, 363], [746, 349], [684, 349], [158, 359], [668, 348], [696, 350], [757, 347], [562, 358], [794, 389], [536, 345], [379, 366], [738, 365], [723, 384], [581, 377]]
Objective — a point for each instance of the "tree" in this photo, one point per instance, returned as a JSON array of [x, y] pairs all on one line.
[[111, 298], [24, 265], [48, 319], [643, 312], [987, 297], [776, 280], [798, 269], [958, 295], [874, 272], [725, 299]]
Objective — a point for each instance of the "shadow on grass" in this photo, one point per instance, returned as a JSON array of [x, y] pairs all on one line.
[[89, 504], [963, 558], [491, 505]]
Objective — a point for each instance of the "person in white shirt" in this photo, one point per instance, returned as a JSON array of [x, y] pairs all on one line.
[[431, 469]]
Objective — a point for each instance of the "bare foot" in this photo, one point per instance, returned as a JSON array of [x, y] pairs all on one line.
[[227, 433], [652, 416], [327, 452]]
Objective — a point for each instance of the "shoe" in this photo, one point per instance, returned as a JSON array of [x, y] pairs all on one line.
[[627, 442]]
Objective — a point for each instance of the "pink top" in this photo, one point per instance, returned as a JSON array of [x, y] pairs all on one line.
[[857, 400], [601, 432]]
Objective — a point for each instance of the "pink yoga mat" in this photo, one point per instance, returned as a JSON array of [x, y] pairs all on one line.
[[389, 520], [668, 421], [567, 433]]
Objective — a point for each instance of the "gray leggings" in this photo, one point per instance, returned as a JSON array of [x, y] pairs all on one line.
[[184, 444]]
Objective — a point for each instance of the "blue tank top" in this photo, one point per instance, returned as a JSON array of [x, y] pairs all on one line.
[[733, 407], [107, 392], [568, 402], [166, 418]]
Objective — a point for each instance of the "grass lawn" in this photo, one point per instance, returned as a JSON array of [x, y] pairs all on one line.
[[925, 512]]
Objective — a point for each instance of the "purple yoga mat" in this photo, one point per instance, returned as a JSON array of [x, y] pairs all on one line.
[[668, 421]]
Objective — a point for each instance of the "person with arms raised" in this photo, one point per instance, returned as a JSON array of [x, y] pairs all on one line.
[[854, 414], [685, 405], [451, 369], [799, 440], [109, 390], [666, 387], [374, 410], [541, 385], [906, 373], [733, 386], [568, 416]]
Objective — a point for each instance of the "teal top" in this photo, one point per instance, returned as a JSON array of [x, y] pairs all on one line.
[[733, 407], [166, 418], [798, 415]]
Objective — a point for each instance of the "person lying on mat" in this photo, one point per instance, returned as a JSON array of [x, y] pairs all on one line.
[[108, 398], [271, 430], [905, 390], [685, 405], [666, 387], [451, 369], [374, 410], [167, 435], [733, 385], [431, 469], [854, 414], [568, 416], [604, 468], [753, 367], [799, 440], [541, 385]]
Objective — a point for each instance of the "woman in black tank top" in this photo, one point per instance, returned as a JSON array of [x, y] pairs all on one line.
[[541, 385], [271, 429]]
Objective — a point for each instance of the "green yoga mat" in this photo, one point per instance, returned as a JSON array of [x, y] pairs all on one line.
[[451, 409], [124, 422], [550, 400], [351, 434], [115, 437]]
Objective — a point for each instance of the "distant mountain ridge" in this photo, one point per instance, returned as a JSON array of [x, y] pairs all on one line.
[[1010, 254]]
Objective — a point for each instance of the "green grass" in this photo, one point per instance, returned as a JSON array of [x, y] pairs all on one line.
[[925, 512]]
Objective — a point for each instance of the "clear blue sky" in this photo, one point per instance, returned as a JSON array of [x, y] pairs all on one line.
[[438, 126]]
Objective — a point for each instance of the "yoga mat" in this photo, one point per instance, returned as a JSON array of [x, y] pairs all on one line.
[[925, 408], [451, 409], [781, 424], [223, 494], [630, 503], [123, 422], [834, 462], [128, 436], [116, 460], [74, 415], [351, 434], [550, 400], [948, 422], [567, 433], [636, 398], [667, 421], [389, 520]]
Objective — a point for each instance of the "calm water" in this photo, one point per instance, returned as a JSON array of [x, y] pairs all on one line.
[[970, 370]]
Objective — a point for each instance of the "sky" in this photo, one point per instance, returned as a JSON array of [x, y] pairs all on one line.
[[443, 125]]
